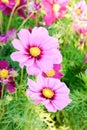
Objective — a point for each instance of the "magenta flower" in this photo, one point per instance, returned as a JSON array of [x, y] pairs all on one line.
[[55, 72], [4, 64], [6, 37], [21, 11], [53, 93], [55, 9], [11, 86], [36, 50], [80, 9], [7, 5], [7, 76]]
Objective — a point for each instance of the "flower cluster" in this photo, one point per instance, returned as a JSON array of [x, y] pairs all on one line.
[[80, 20], [40, 53], [37, 51]]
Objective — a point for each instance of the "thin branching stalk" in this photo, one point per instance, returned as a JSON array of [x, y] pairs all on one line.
[[2, 91], [21, 78], [25, 21], [11, 15]]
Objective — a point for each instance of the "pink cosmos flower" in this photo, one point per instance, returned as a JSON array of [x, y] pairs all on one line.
[[7, 5], [55, 72], [36, 50], [51, 92], [80, 26], [80, 9], [8, 36], [7, 76], [55, 9]]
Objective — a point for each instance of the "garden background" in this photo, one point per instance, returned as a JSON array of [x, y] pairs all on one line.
[[17, 110]]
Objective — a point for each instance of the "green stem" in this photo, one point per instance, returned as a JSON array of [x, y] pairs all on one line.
[[11, 15], [1, 22], [20, 7], [2, 91], [23, 24], [1, 28], [1, 49], [24, 21], [21, 76], [37, 1], [37, 19]]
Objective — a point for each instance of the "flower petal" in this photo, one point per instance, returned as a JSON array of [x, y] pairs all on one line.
[[34, 86], [45, 65], [50, 107], [17, 44], [24, 36], [38, 35], [33, 70], [18, 56], [62, 102]]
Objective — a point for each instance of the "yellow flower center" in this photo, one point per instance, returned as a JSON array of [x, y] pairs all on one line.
[[35, 51], [3, 73], [56, 8], [50, 73], [78, 11], [17, 1], [5, 1], [48, 93]]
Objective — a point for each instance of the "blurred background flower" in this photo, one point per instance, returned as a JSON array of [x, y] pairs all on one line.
[[4, 38], [54, 10], [7, 76], [55, 72], [7, 6]]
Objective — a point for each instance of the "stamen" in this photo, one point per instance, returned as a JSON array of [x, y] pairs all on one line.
[[78, 11], [56, 8], [50, 73], [47, 92], [3, 73], [5, 1], [35, 51], [17, 1]]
